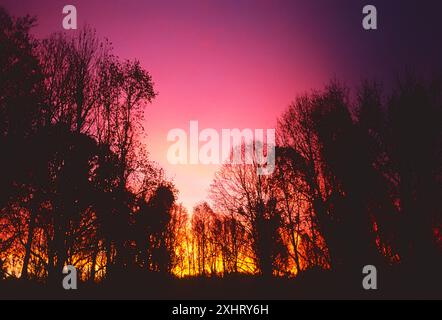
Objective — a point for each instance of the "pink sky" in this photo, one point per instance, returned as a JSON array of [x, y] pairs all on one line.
[[227, 64]]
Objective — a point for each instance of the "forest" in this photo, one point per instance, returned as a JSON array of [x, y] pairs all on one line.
[[358, 180]]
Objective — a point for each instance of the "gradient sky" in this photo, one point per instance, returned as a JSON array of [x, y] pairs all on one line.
[[239, 63]]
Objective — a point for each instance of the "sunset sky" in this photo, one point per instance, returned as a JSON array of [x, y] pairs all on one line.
[[239, 63]]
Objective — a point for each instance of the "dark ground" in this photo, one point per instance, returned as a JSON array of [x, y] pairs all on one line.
[[394, 284]]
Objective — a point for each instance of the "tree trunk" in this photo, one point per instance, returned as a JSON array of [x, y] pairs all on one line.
[[28, 246]]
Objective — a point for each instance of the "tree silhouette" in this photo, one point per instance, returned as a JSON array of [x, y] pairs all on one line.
[[153, 219], [240, 191], [413, 143], [70, 190]]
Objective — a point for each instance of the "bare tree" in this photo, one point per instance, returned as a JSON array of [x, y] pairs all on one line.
[[250, 197]]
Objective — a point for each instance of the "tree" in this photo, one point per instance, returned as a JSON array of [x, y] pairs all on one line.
[[240, 191], [80, 171], [153, 221], [302, 185], [413, 166], [177, 231], [20, 113]]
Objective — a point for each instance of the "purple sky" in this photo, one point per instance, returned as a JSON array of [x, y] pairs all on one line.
[[239, 63]]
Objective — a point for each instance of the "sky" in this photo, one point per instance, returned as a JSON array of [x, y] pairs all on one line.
[[240, 63]]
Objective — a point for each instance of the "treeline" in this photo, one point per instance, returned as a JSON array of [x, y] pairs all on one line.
[[76, 186], [357, 182], [357, 178]]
